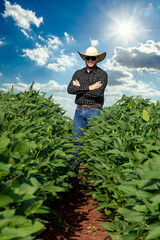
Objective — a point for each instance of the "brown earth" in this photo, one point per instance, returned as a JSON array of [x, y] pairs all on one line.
[[77, 219]]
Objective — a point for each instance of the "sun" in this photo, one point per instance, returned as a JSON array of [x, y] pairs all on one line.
[[125, 30]]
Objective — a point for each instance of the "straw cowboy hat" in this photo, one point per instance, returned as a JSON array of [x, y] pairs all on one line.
[[92, 51]]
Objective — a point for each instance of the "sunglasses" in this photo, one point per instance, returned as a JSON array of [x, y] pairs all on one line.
[[93, 58]]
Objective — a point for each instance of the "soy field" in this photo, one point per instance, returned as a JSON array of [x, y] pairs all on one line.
[[36, 153], [120, 154]]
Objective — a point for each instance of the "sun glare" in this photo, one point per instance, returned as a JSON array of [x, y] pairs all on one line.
[[125, 30]]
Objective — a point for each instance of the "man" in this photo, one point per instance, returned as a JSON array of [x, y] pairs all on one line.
[[88, 84]]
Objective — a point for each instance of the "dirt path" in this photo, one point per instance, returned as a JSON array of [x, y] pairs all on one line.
[[78, 220]]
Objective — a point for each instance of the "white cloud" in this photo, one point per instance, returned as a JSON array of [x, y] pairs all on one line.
[[62, 51], [19, 87], [56, 67], [63, 62], [135, 88], [50, 53], [68, 61], [150, 47], [117, 74], [53, 42], [49, 87], [18, 79], [148, 10], [67, 103], [23, 18], [25, 33], [94, 43], [41, 38], [149, 7], [122, 81], [39, 54], [119, 77], [68, 38], [145, 57], [1, 43]]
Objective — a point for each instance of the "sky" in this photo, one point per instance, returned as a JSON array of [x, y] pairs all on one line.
[[40, 40]]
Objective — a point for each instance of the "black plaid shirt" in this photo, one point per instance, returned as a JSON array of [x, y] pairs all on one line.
[[84, 96]]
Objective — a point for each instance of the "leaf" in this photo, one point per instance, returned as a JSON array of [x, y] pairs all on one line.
[[31, 105], [7, 213], [19, 135], [106, 166], [19, 233], [135, 219], [143, 194], [36, 227], [122, 124], [59, 153], [4, 141], [24, 147], [49, 187], [5, 200], [4, 222], [34, 207], [114, 151], [35, 182], [152, 174], [155, 199], [109, 226], [72, 174], [145, 115], [154, 234], [127, 189], [5, 167], [31, 89], [1, 118], [106, 139], [11, 91], [140, 208], [129, 228], [148, 205], [26, 189]]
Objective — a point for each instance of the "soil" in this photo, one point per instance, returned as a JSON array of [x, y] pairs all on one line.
[[77, 218]]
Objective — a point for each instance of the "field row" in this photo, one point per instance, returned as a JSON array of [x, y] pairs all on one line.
[[121, 152], [36, 165]]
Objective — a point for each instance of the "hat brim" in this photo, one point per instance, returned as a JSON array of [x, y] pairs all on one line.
[[101, 56]]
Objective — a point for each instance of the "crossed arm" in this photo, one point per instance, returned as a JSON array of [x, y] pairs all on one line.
[[94, 90], [91, 87]]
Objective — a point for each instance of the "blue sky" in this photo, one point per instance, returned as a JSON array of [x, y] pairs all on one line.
[[39, 41]]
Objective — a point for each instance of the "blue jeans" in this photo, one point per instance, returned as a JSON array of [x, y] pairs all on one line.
[[81, 120]]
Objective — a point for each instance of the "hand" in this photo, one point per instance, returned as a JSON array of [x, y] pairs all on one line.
[[76, 83], [95, 85]]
